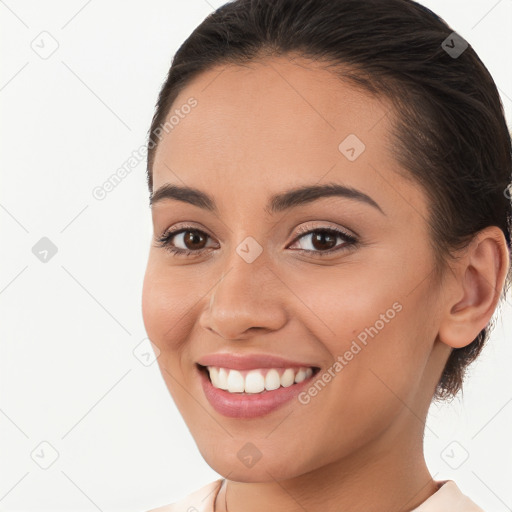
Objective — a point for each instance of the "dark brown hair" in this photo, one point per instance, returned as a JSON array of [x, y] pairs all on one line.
[[449, 129]]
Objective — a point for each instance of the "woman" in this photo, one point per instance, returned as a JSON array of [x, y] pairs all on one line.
[[328, 183]]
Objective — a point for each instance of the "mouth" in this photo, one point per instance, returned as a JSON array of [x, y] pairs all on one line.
[[256, 381], [246, 394]]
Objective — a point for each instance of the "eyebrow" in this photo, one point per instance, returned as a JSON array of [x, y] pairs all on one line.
[[277, 203]]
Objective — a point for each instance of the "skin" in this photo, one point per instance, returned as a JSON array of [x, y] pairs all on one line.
[[358, 445]]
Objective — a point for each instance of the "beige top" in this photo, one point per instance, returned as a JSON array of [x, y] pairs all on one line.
[[448, 498]]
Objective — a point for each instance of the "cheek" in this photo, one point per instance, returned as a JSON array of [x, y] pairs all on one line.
[[167, 304], [155, 310], [383, 379], [341, 303], [377, 330], [163, 303]]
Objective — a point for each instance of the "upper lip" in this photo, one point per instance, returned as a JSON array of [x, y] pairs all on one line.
[[249, 361]]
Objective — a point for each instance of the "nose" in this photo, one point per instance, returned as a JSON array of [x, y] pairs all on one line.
[[248, 296]]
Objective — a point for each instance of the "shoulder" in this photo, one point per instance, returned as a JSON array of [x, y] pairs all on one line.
[[448, 498], [201, 500]]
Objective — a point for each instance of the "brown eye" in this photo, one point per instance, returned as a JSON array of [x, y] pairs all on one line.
[[184, 241], [323, 241], [194, 240], [189, 241]]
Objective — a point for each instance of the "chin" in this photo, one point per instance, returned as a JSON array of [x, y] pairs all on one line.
[[243, 461]]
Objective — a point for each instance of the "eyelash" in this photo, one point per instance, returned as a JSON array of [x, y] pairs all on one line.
[[164, 241]]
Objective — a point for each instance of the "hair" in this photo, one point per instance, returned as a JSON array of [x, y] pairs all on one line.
[[448, 125]]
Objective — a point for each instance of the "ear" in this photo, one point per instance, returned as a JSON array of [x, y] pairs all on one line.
[[475, 288]]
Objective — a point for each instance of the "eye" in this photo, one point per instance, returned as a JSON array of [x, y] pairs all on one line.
[[322, 241], [191, 238]]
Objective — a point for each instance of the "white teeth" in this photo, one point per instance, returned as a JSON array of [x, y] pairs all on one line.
[[301, 375], [287, 378], [256, 381], [222, 379], [272, 380], [235, 382]]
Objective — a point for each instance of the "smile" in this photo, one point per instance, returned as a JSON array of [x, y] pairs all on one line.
[[256, 381], [252, 393]]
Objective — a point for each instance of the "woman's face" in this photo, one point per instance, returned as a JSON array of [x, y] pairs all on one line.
[[264, 277]]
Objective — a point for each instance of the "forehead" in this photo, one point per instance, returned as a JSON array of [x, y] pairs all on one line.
[[274, 123]]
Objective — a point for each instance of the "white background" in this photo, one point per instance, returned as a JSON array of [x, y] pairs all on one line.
[[69, 326]]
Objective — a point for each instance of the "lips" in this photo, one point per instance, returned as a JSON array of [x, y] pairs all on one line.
[[246, 405], [235, 402], [250, 361]]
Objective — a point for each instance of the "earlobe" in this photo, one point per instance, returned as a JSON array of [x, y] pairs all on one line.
[[479, 277]]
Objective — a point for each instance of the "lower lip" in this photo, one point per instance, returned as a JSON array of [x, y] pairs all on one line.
[[249, 405]]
